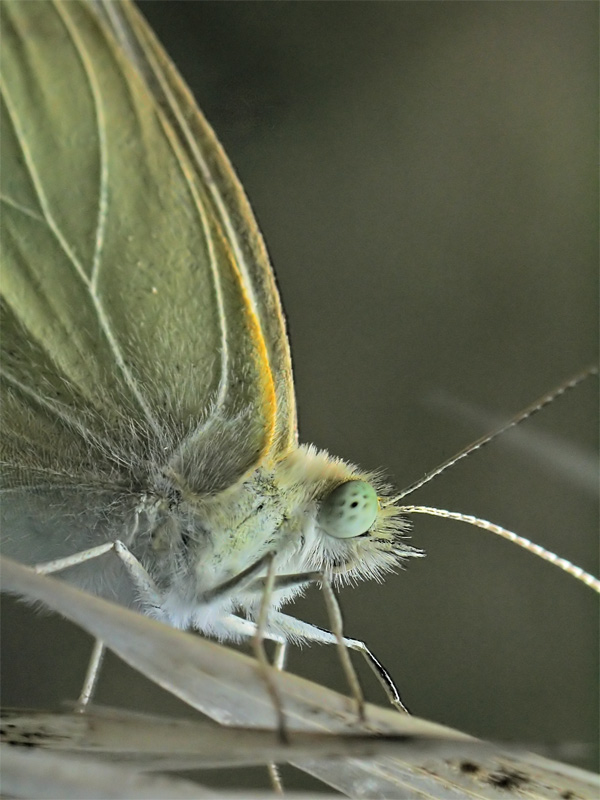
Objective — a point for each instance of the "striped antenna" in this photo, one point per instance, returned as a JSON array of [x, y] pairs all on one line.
[[536, 549], [543, 401]]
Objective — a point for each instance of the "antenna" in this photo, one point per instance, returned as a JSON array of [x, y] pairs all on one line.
[[532, 409], [527, 544]]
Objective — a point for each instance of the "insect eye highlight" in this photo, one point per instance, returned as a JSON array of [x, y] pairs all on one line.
[[349, 510]]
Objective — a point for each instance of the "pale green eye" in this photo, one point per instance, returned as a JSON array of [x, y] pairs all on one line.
[[349, 510]]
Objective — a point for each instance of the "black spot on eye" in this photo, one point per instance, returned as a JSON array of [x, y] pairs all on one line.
[[468, 767], [354, 504]]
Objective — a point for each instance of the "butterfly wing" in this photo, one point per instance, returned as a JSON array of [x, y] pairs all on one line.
[[141, 322], [226, 199]]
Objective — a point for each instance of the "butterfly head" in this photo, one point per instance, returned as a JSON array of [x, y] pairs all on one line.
[[349, 531]]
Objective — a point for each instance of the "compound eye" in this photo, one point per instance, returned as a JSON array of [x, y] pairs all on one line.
[[349, 510]]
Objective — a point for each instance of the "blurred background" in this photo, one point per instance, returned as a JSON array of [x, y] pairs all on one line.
[[425, 178]]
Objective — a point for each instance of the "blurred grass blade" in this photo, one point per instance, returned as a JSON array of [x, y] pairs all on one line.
[[151, 742], [38, 775], [430, 760], [495, 775], [41, 774], [222, 683]]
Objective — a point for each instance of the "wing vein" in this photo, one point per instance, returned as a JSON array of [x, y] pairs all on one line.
[[38, 187], [168, 129], [48, 405], [102, 147], [91, 284], [23, 209], [212, 258], [246, 255], [209, 178], [75, 423]]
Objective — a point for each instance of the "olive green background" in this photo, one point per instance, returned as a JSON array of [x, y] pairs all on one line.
[[425, 177]]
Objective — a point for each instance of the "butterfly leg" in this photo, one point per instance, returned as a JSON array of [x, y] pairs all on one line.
[[280, 657], [337, 634], [71, 561], [278, 664], [241, 581], [91, 676], [293, 628], [279, 660], [238, 626], [244, 579], [258, 645], [335, 616], [284, 627], [140, 577], [337, 625]]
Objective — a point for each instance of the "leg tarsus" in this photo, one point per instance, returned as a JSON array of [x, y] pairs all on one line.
[[58, 564], [91, 676], [279, 659], [335, 617], [149, 592], [295, 628], [258, 645]]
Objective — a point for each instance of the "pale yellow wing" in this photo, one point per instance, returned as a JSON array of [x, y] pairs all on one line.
[[140, 319], [228, 200]]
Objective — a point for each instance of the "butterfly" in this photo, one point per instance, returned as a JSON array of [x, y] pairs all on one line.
[[108, 438]]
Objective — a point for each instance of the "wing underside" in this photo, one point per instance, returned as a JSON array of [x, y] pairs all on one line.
[[140, 316]]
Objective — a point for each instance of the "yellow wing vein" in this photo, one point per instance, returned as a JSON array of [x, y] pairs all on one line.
[[213, 179], [198, 205], [230, 236], [205, 171]]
